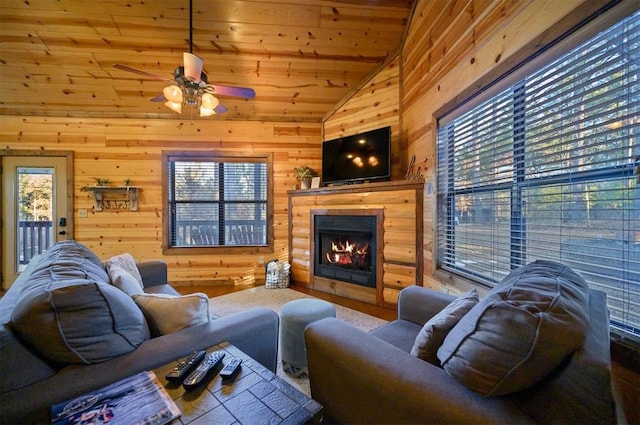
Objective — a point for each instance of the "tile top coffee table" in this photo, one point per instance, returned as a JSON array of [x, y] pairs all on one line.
[[255, 396]]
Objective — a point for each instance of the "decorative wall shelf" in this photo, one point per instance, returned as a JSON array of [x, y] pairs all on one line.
[[114, 198]]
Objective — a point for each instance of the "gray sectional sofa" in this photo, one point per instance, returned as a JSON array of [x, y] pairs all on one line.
[[65, 330], [535, 349]]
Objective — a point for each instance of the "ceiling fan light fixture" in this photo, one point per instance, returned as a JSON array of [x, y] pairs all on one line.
[[192, 66], [174, 106], [209, 101], [173, 93], [190, 87], [206, 112]]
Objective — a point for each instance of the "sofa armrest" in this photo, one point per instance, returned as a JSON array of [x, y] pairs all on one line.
[[359, 378], [418, 304], [153, 272]]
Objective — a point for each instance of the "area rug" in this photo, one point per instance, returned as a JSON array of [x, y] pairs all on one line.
[[274, 299]]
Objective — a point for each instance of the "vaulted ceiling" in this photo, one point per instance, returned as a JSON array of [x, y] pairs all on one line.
[[300, 56]]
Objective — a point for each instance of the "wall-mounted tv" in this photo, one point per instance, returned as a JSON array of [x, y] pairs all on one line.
[[360, 158]]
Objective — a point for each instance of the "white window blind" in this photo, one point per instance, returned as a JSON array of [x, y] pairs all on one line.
[[217, 201], [548, 169]]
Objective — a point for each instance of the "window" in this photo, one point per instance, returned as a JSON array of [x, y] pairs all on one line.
[[546, 167], [216, 201]]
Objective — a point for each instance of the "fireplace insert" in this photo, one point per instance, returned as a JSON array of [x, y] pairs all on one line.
[[345, 248]]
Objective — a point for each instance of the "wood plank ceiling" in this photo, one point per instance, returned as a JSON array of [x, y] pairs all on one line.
[[300, 56]]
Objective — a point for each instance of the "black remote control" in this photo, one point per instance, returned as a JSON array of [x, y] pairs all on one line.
[[208, 365], [185, 366], [230, 370]]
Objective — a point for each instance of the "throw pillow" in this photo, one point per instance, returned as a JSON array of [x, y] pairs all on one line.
[[433, 332], [126, 262], [124, 281], [522, 330], [170, 313], [68, 313]]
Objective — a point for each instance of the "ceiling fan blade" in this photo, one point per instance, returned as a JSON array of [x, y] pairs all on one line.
[[158, 98], [220, 109], [143, 73], [245, 92]]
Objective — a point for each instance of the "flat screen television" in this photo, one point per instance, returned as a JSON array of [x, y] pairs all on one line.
[[364, 157]]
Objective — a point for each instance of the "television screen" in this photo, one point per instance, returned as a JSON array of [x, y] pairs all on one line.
[[360, 158]]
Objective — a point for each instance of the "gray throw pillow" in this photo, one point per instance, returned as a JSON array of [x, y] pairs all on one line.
[[124, 281], [125, 261], [433, 332], [522, 330]]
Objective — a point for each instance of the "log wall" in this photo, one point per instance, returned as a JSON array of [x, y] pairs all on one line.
[[125, 148], [401, 206]]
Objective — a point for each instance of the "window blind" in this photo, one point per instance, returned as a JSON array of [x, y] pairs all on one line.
[[217, 201], [547, 169]]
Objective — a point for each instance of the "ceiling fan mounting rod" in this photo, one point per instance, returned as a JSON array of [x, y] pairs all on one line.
[[190, 26]]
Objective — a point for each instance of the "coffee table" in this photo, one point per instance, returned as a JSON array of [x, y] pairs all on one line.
[[255, 396]]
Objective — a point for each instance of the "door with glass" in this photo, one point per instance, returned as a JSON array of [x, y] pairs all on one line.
[[35, 209]]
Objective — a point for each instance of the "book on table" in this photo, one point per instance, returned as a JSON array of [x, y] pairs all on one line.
[[138, 399]]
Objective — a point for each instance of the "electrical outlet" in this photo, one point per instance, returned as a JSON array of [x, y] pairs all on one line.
[[82, 213], [260, 260]]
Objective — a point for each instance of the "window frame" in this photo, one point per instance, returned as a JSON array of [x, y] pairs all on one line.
[[503, 77], [168, 156]]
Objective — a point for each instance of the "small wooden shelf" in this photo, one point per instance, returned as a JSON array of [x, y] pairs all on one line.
[[114, 198]]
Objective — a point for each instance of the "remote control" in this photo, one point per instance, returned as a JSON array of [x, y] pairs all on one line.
[[185, 366], [230, 370], [208, 365]]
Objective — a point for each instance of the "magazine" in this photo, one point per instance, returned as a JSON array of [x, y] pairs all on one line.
[[138, 399]]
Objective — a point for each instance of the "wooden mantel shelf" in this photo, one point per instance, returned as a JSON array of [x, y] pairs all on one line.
[[114, 197], [357, 188]]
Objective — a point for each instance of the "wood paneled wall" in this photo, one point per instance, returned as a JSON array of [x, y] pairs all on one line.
[[442, 60], [447, 59], [126, 148], [374, 105]]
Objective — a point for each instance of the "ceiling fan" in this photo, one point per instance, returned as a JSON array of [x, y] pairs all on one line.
[[190, 86]]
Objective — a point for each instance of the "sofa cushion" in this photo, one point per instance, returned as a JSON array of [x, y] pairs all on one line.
[[522, 330], [433, 332], [399, 333], [170, 313], [125, 261], [124, 281], [69, 313], [19, 365]]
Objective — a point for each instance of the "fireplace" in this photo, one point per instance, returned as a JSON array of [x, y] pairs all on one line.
[[346, 247]]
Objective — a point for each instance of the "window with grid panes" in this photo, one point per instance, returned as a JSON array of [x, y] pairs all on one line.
[[216, 201], [547, 167]]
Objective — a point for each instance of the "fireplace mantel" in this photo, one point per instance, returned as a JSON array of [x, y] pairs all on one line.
[[401, 203]]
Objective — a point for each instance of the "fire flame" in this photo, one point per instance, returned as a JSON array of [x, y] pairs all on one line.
[[345, 253]]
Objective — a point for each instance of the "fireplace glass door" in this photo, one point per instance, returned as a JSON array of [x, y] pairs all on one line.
[[346, 248]]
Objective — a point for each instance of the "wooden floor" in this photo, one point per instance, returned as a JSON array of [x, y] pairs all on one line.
[[216, 291]]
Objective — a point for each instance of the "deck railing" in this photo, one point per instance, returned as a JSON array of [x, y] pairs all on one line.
[[34, 237], [205, 233]]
